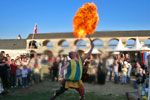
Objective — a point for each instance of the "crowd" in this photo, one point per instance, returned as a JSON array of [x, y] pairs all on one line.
[[100, 68], [119, 67], [25, 70], [22, 71]]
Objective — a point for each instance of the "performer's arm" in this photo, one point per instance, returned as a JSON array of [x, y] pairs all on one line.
[[89, 53], [64, 67]]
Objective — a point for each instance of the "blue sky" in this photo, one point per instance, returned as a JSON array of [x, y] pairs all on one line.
[[20, 16]]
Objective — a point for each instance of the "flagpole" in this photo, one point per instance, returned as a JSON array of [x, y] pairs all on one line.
[[32, 38]]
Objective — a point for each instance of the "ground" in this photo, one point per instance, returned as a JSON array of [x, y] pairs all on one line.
[[45, 89]]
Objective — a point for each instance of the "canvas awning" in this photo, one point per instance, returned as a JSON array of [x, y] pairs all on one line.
[[94, 51], [137, 46], [119, 47]]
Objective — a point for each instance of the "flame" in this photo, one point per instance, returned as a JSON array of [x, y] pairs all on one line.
[[85, 20], [82, 33]]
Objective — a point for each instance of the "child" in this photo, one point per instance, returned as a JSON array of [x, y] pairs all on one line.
[[19, 76], [13, 68], [24, 77], [124, 74]]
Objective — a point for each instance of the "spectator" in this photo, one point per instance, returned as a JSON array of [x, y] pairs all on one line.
[[35, 67], [138, 67], [127, 58], [1, 89], [116, 71], [124, 74], [55, 69], [4, 70], [102, 69], [109, 66], [63, 61], [140, 78], [19, 76], [13, 68], [24, 77], [129, 72], [120, 65], [91, 73]]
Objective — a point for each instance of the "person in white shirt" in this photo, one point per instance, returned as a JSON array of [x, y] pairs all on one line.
[[109, 66]]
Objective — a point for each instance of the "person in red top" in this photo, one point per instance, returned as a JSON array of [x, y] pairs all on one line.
[[13, 68]]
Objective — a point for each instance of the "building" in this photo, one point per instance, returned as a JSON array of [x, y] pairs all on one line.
[[57, 42], [48, 43], [13, 47]]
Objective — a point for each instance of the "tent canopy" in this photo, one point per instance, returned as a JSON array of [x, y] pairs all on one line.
[[137, 45], [94, 51], [119, 47]]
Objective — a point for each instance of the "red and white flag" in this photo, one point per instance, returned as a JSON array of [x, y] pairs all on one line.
[[35, 29]]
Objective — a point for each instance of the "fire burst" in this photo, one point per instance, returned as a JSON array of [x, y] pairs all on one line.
[[85, 20]]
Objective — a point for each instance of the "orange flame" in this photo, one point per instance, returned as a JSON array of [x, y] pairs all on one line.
[[85, 20]]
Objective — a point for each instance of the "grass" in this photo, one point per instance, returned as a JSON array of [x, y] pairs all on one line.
[[68, 95], [71, 94]]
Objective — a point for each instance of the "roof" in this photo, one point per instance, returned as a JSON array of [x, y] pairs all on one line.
[[12, 43], [96, 34]]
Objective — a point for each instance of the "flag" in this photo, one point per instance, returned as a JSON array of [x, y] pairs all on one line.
[[35, 29]]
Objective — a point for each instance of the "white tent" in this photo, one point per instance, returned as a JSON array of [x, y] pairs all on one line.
[[145, 48], [116, 53], [94, 51], [119, 47], [137, 45]]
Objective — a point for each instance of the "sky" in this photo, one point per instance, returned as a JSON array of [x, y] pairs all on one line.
[[20, 16]]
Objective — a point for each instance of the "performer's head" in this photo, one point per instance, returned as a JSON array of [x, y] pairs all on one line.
[[72, 54]]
